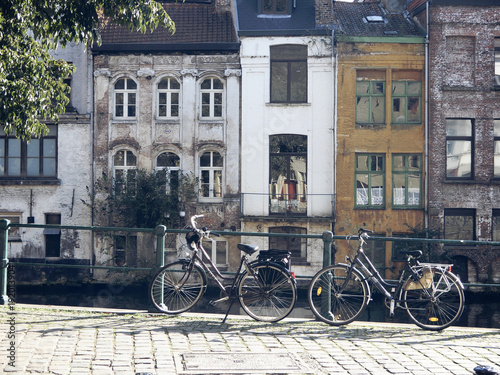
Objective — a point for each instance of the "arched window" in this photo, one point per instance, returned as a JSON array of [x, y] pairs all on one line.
[[124, 168], [125, 91], [168, 98], [171, 164], [212, 90], [211, 163]]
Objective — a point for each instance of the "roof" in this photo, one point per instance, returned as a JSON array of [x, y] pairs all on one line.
[[300, 22], [198, 28], [372, 20]]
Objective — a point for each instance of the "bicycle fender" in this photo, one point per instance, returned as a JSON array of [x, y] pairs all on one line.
[[362, 277]]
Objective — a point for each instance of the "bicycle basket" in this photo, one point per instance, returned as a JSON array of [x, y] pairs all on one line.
[[281, 257], [425, 281], [184, 252]]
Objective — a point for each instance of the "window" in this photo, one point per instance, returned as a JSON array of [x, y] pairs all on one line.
[[497, 61], [295, 245], [406, 181], [34, 159], [217, 250], [124, 167], [288, 174], [274, 6], [211, 163], [211, 98], [406, 107], [495, 225], [125, 98], [370, 97], [125, 250], [170, 163], [459, 224], [14, 233], [496, 135], [52, 236], [459, 148], [370, 177], [289, 74], [168, 98], [375, 250]]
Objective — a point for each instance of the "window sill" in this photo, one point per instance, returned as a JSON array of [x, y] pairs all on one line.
[[29, 182], [370, 207], [465, 181], [287, 104], [168, 121], [218, 121], [124, 121]]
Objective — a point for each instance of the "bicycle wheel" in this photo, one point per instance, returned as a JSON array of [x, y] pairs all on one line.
[[268, 294], [437, 301], [174, 289], [336, 300]]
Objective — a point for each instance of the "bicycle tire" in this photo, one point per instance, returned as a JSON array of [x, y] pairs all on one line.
[[267, 293], [172, 293], [437, 303], [333, 302]]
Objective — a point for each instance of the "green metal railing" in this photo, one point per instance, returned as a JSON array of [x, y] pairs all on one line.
[[160, 231]]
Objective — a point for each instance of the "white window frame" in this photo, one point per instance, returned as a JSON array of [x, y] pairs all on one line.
[[212, 92], [168, 93], [126, 97], [125, 168], [212, 172], [168, 169], [210, 245], [15, 218]]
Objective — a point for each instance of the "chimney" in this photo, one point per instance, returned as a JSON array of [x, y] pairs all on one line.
[[222, 5], [324, 13]]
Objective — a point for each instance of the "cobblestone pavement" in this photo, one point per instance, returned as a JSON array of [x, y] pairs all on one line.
[[51, 340]]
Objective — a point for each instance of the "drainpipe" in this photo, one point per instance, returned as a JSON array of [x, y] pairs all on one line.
[[91, 92], [426, 180], [334, 122]]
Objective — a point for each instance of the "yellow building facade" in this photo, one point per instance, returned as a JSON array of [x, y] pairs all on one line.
[[380, 158]]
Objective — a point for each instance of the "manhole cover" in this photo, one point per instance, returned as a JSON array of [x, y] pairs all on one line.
[[240, 363]]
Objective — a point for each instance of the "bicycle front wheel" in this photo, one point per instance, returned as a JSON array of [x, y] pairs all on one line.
[[177, 287], [337, 298], [436, 301], [267, 293]]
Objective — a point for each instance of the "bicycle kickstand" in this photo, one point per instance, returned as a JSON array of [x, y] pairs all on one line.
[[228, 309]]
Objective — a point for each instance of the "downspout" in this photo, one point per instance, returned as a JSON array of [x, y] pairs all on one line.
[[334, 122], [426, 151], [92, 156]]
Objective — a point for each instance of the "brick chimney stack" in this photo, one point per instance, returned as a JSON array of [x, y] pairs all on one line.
[[324, 13], [223, 5]]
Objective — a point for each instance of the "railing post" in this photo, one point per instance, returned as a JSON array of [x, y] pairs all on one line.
[[4, 234], [160, 232], [327, 248]]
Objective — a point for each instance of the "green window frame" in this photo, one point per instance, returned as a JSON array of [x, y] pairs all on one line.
[[370, 102], [406, 102], [407, 180], [370, 181]]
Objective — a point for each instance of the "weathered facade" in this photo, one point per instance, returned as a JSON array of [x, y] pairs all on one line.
[[380, 128], [172, 102], [287, 143], [43, 182], [464, 130]]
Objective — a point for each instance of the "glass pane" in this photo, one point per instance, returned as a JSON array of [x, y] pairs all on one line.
[[49, 147], [378, 110], [205, 110], [49, 167], [497, 159], [414, 88], [279, 78], [174, 98], [33, 148], [168, 159], [14, 147], [496, 128], [377, 190], [217, 159], [205, 159], [220, 248], [362, 162], [414, 190], [289, 52], [495, 228], [174, 111], [362, 87], [460, 128], [33, 166], [398, 110], [298, 84], [205, 183], [297, 184], [162, 110], [131, 159], [376, 163], [131, 85], [377, 88], [14, 165], [206, 84], [163, 84], [414, 163], [361, 189], [2, 148], [399, 190], [413, 109], [218, 184], [217, 84], [458, 159], [398, 88], [174, 85], [119, 159], [398, 163], [162, 98], [120, 84], [363, 109], [286, 143], [459, 227]]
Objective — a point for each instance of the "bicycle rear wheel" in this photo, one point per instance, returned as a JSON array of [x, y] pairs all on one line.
[[437, 301], [268, 293], [176, 288], [336, 300]]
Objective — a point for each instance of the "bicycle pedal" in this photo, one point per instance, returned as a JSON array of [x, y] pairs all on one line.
[[212, 302]]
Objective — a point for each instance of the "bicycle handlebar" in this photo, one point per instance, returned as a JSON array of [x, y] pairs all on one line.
[[204, 231]]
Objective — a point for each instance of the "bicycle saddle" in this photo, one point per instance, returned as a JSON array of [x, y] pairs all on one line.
[[414, 253], [248, 249]]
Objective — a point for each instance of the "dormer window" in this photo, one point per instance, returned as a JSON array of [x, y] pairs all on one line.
[[374, 19], [275, 7]]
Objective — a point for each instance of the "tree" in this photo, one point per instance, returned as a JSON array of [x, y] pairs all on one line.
[[32, 87]]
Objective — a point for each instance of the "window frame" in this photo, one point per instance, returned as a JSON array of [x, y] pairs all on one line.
[[211, 247], [52, 236], [460, 212], [449, 146], [212, 93], [370, 174], [495, 216], [497, 61], [47, 151], [407, 99], [371, 96], [14, 233], [127, 95], [263, 9], [301, 84], [169, 105], [118, 182], [407, 173], [496, 149], [172, 172], [288, 242], [212, 172]]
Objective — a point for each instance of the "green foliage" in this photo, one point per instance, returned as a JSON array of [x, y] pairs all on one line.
[[141, 201], [31, 81]]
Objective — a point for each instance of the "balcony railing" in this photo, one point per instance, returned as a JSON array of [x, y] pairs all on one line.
[[264, 204]]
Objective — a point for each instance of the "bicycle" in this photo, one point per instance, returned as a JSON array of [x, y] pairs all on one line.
[[432, 296], [265, 287]]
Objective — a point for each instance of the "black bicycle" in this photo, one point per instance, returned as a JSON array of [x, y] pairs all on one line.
[[266, 287], [430, 293]]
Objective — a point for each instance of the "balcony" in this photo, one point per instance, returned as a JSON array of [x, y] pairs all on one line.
[[287, 205]]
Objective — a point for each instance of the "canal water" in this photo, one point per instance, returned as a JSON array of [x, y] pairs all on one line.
[[481, 310]]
